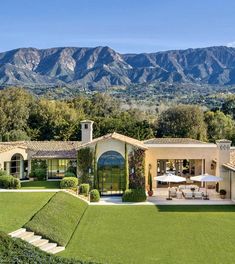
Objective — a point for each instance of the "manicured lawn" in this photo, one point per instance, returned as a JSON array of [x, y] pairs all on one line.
[[150, 234], [17, 208], [58, 219], [40, 185]]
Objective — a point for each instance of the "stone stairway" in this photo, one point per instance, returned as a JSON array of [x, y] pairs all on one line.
[[37, 241]]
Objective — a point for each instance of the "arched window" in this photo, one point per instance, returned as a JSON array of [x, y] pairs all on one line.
[[17, 165], [111, 173]]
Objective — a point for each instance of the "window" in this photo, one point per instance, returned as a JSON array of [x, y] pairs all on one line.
[[57, 167], [17, 166], [111, 173], [86, 126]]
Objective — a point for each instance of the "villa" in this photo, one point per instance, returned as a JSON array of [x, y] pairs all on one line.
[[181, 156]]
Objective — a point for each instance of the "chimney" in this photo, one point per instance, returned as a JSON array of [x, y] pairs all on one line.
[[87, 131]]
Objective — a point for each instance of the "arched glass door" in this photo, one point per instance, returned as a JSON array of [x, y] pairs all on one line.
[[17, 166], [111, 173]]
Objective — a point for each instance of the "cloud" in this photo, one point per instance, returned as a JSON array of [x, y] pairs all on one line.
[[231, 44]]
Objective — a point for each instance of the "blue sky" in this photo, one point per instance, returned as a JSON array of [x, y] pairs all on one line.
[[125, 25]]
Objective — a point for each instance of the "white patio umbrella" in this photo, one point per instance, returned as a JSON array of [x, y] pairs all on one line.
[[169, 178], [206, 178]]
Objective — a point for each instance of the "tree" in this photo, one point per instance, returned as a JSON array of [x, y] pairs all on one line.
[[184, 121], [228, 106], [16, 135], [219, 126], [55, 120]]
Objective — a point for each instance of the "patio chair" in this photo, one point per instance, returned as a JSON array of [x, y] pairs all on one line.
[[198, 195], [173, 192], [179, 195], [188, 195]]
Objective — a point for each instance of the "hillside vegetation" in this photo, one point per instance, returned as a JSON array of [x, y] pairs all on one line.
[[92, 68], [25, 117]]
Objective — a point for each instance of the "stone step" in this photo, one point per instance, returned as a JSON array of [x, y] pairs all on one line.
[[32, 239], [25, 235], [17, 232], [56, 250], [40, 242], [48, 246]]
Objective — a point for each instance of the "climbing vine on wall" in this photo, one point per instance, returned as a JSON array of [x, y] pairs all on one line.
[[136, 169], [126, 168], [85, 160], [95, 167]]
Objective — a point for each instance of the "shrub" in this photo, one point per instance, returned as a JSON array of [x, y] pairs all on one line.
[[9, 182], [134, 195], [40, 174], [94, 196], [3, 173], [69, 183], [69, 174], [38, 169], [84, 189]]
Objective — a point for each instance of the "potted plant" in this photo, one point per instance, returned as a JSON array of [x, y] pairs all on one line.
[[150, 182], [222, 193]]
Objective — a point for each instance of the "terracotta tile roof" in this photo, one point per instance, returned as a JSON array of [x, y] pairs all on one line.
[[6, 146], [52, 145], [173, 141], [129, 140], [45, 149], [69, 154]]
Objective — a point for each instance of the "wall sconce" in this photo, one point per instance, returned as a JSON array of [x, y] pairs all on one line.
[[212, 166]]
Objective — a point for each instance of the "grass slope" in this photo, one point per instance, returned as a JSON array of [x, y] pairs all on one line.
[[17, 208], [17, 251], [40, 185], [58, 219], [150, 234]]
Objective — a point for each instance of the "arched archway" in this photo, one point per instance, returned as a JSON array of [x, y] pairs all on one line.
[[111, 173], [17, 166]]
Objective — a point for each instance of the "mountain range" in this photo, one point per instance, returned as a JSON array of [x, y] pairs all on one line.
[[103, 66]]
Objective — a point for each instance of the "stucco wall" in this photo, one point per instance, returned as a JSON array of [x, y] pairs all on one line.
[[196, 153], [111, 145], [6, 156], [232, 175]]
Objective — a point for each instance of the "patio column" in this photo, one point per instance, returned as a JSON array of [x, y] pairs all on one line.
[[202, 170], [223, 156]]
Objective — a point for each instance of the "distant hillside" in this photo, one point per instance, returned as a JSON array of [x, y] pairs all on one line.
[[102, 66]]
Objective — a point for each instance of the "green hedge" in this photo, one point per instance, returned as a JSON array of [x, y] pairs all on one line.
[[3, 173], [69, 183], [13, 250], [84, 189], [9, 182], [69, 174], [58, 219], [134, 195], [94, 196]]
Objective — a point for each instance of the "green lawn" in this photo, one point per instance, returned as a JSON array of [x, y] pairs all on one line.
[[126, 234], [58, 219], [40, 185], [150, 234], [17, 208]]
